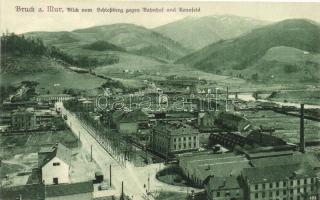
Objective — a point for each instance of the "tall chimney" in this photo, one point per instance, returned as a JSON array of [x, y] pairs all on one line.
[[227, 97], [302, 144]]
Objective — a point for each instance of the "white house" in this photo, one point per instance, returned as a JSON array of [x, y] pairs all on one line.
[[55, 163]]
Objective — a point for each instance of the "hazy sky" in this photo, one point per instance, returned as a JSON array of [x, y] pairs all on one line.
[[20, 22]]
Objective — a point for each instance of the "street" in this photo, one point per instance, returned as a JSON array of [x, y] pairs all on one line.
[[134, 178]]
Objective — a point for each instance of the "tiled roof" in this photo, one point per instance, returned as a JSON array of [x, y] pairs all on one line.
[[277, 173], [68, 189]]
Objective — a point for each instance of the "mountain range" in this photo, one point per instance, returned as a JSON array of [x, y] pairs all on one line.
[[197, 32], [132, 38], [285, 51], [254, 52]]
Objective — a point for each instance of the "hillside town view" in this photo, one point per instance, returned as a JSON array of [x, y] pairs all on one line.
[[217, 107]]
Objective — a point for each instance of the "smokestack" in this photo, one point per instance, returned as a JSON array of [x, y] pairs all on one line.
[[302, 144], [227, 97]]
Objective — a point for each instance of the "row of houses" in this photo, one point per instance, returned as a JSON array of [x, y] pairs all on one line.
[[286, 176]]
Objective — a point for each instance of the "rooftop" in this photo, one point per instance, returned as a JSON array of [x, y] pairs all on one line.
[[58, 150], [69, 189], [133, 116], [218, 165], [278, 172], [176, 128], [294, 158], [223, 183]]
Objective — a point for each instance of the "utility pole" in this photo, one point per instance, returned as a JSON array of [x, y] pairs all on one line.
[[216, 99], [91, 152], [148, 182], [110, 175], [227, 97], [122, 195]]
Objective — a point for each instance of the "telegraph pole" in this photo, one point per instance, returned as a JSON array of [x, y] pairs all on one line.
[[122, 195], [110, 174], [227, 97], [91, 152], [148, 182]]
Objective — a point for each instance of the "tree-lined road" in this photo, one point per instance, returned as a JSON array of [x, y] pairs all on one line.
[[104, 159], [135, 178]]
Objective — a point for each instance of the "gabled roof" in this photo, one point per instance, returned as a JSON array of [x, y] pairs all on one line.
[[58, 150], [68, 189]]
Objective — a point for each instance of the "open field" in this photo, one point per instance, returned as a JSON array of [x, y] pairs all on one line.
[[286, 127], [31, 143], [55, 82], [16, 170]]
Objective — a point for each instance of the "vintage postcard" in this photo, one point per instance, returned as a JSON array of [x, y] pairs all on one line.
[[159, 100]]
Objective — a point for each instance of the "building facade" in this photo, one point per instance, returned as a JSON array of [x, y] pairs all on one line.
[[223, 188], [285, 182], [23, 119], [174, 137], [55, 163]]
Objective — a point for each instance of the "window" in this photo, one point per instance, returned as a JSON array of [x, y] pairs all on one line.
[[284, 192], [277, 192], [298, 182], [56, 164], [256, 187], [263, 194], [264, 186], [284, 184], [218, 194], [277, 184], [256, 195], [55, 181], [305, 181], [270, 185]]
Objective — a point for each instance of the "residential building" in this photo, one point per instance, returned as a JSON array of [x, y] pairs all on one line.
[[223, 188], [174, 137], [55, 163], [285, 182], [23, 119]]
